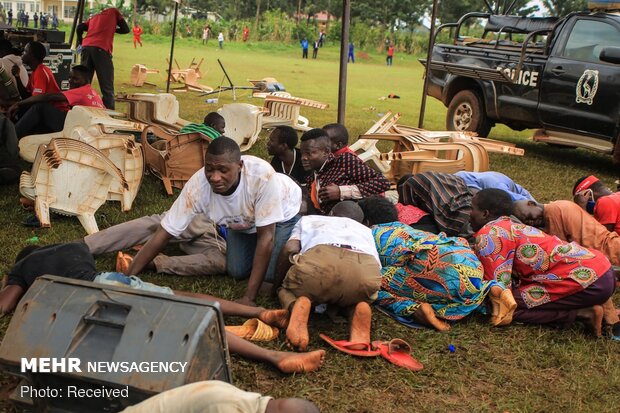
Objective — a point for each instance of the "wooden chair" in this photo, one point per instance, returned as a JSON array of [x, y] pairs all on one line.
[[244, 123], [179, 157], [139, 74], [71, 178]]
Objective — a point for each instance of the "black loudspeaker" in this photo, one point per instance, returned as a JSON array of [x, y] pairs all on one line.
[[144, 336]]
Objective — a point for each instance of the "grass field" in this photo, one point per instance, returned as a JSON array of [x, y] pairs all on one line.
[[514, 369]]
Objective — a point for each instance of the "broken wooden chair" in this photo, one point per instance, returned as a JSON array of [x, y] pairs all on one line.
[[176, 158]]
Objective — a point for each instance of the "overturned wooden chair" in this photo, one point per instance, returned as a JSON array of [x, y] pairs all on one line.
[[173, 158], [71, 178], [139, 74]]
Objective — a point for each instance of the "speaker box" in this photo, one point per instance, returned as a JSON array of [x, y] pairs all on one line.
[[102, 325]]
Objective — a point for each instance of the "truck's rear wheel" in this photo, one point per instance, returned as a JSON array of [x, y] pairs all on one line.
[[466, 113]]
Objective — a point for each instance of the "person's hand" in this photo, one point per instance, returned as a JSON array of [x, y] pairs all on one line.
[[15, 70], [329, 193], [245, 300], [12, 110]]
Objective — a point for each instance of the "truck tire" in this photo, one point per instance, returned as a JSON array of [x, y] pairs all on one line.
[[466, 113]]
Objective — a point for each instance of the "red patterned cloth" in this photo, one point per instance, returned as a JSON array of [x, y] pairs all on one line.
[[409, 214], [543, 268], [347, 169]]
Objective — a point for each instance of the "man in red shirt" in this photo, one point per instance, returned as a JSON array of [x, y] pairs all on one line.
[[97, 48], [46, 112], [137, 32], [390, 55], [552, 281], [593, 196]]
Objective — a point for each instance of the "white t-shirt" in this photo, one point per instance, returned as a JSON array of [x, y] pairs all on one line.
[[313, 230], [220, 37], [7, 63], [263, 197], [203, 397]]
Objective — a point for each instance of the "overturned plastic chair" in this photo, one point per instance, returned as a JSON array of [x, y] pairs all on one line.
[[79, 116], [282, 110], [161, 109], [244, 123], [71, 178], [175, 157]]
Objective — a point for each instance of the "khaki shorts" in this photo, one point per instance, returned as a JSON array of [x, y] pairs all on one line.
[[331, 275]]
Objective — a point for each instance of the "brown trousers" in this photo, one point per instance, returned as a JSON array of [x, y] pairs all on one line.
[[331, 275]]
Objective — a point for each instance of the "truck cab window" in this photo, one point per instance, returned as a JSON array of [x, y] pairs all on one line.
[[588, 38]]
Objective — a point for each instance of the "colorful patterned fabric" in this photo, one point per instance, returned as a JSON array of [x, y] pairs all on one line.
[[543, 268], [445, 196], [420, 267], [347, 169]]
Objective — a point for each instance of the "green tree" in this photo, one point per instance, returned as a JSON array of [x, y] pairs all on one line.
[[561, 8]]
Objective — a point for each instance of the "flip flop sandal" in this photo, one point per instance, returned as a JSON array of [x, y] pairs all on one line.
[[254, 330], [345, 347], [398, 352]]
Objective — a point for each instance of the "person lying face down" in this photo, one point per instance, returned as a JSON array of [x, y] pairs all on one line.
[[218, 397], [258, 206], [74, 261], [593, 196], [477, 181], [430, 278], [333, 179], [567, 221], [329, 260], [552, 281]]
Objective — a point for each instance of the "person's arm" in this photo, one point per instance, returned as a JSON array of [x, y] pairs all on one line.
[[23, 92], [264, 246], [79, 32], [293, 246], [122, 27], [43, 97], [149, 251]]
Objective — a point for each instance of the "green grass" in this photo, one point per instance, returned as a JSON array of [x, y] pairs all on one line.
[[515, 369]]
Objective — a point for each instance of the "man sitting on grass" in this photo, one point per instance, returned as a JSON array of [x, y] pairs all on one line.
[[73, 260], [258, 206], [552, 281], [286, 157], [46, 112], [334, 179], [339, 135]]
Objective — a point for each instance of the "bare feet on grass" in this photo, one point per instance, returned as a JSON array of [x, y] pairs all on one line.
[[426, 315], [503, 306], [9, 298], [300, 363], [361, 320], [297, 332], [275, 318], [593, 317]]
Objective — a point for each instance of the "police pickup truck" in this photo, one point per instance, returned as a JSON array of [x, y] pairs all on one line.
[[561, 76]]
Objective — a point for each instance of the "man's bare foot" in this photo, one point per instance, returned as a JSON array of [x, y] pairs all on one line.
[[297, 331], [300, 363], [593, 316], [360, 326], [122, 262], [275, 318], [503, 306], [9, 297], [426, 315]]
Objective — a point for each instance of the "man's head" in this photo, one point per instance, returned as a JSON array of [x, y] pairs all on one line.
[[591, 183], [223, 165], [281, 140], [529, 212], [348, 209], [34, 53], [291, 406], [79, 76], [487, 205], [5, 47], [378, 210], [216, 121], [315, 149], [338, 134]]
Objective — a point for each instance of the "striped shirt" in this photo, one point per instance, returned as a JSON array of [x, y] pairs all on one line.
[[445, 196], [200, 128]]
